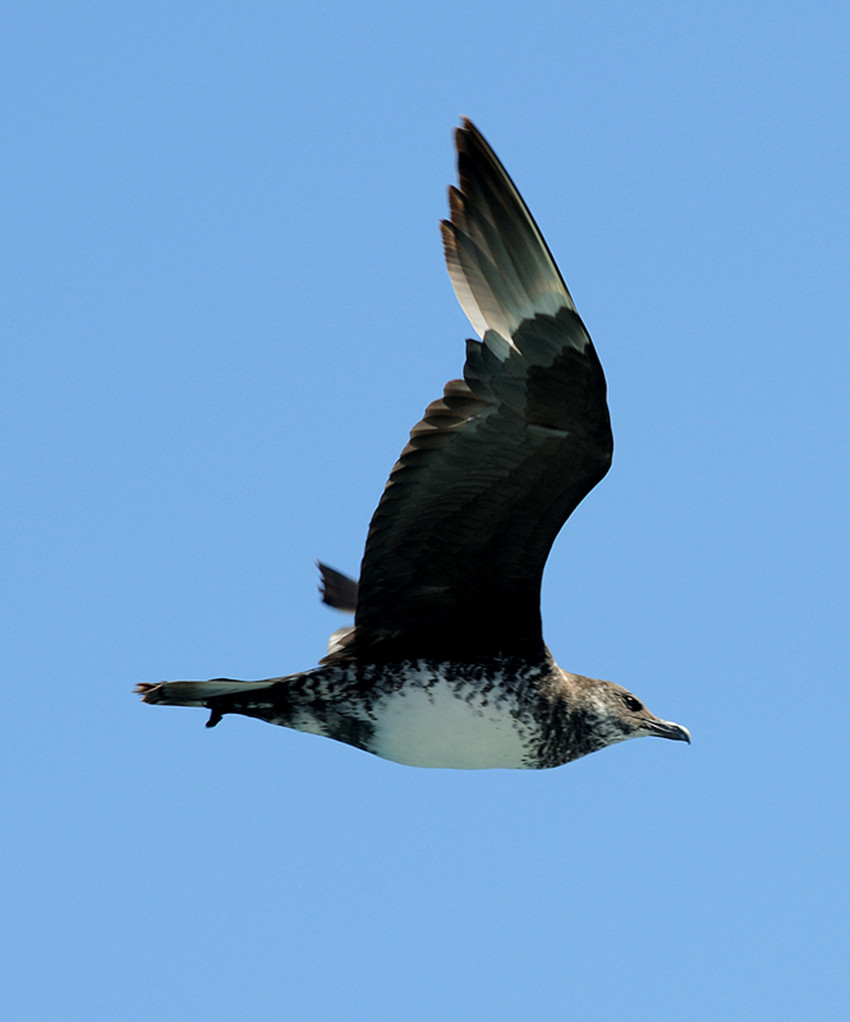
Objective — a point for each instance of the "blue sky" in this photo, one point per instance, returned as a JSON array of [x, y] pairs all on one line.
[[224, 305]]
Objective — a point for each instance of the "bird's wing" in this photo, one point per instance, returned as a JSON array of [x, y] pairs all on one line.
[[457, 545], [337, 590], [340, 592]]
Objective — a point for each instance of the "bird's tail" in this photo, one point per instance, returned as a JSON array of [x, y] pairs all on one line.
[[193, 693], [200, 693]]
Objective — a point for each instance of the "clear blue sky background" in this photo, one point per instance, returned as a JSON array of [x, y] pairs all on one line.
[[223, 305]]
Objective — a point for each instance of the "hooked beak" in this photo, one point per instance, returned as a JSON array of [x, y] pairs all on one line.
[[667, 729]]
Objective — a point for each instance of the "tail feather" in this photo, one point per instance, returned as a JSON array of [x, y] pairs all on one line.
[[208, 694], [195, 693]]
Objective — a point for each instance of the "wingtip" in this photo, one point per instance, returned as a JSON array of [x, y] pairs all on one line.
[[337, 590], [466, 133], [468, 136]]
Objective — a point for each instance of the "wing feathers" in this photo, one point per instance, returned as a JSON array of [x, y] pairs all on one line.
[[457, 545], [337, 590], [499, 264]]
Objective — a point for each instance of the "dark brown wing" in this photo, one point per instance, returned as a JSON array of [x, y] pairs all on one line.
[[456, 548], [338, 590]]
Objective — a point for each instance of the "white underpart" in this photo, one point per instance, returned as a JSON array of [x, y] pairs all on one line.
[[438, 726]]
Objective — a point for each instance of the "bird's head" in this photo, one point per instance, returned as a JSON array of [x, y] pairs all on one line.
[[614, 714]]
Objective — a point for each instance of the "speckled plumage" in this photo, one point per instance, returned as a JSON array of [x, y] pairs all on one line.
[[445, 665], [502, 713]]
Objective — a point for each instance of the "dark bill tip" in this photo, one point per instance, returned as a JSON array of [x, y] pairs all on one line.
[[667, 729]]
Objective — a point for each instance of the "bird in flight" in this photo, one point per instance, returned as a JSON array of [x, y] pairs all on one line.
[[445, 664]]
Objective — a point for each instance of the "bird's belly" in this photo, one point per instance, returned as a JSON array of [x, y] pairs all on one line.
[[442, 724]]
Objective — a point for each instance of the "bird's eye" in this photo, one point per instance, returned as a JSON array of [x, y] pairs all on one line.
[[635, 705]]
